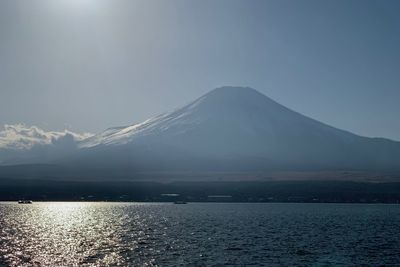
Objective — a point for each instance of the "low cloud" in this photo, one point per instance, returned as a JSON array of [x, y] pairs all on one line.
[[22, 137], [20, 144]]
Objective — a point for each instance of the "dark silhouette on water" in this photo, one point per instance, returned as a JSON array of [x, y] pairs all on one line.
[[180, 202], [24, 201]]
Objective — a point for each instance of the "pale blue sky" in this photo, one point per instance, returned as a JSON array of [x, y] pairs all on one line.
[[92, 64]]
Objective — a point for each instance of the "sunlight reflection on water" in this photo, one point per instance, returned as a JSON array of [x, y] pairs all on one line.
[[66, 234], [157, 234]]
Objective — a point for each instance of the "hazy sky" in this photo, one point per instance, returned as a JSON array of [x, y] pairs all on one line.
[[92, 64]]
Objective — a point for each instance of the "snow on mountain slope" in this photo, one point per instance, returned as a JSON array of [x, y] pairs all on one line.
[[229, 115], [240, 125], [227, 129], [243, 109]]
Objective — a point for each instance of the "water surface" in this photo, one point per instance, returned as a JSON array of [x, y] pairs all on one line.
[[163, 234]]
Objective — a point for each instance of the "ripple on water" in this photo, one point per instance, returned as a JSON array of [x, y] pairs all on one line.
[[132, 234]]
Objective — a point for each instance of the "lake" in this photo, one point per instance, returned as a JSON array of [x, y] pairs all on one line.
[[198, 234]]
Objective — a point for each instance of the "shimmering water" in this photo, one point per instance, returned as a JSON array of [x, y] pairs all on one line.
[[109, 234]]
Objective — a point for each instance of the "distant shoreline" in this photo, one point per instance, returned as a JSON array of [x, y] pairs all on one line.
[[202, 192], [198, 202]]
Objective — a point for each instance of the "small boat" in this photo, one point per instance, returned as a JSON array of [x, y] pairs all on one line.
[[180, 202], [23, 201]]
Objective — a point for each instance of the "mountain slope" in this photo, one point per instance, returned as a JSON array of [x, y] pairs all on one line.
[[235, 129]]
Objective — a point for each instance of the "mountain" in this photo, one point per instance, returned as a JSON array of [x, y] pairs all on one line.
[[230, 130], [235, 129]]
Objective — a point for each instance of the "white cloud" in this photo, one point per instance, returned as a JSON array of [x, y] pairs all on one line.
[[22, 137]]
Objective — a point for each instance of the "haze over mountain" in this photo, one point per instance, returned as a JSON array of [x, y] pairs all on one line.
[[230, 129]]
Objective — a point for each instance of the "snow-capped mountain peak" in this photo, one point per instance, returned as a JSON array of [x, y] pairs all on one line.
[[223, 112], [227, 129]]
